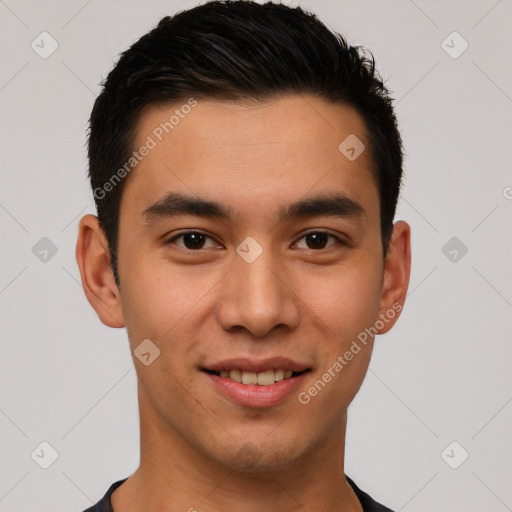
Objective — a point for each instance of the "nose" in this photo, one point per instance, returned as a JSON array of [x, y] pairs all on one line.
[[257, 297]]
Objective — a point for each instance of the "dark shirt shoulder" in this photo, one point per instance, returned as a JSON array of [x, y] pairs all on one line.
[[105, 505], [367, 502]]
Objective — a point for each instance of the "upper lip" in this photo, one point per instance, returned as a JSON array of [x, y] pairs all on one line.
[[252, 365]]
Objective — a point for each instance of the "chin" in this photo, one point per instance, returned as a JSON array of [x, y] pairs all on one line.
[[259, 456]]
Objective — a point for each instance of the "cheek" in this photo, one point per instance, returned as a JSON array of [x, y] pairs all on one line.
[[346, 300], [347, 305], [159, 299]]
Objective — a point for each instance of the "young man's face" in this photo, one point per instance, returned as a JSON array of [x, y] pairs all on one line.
[[250, 285]]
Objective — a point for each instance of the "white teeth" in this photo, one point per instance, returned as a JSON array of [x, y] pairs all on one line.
[[249, 378], [235, 375], [266, 378], [278, 375]]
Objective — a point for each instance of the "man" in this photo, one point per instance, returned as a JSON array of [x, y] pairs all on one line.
[[245, 163]]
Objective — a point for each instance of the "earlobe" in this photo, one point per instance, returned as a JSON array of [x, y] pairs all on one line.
[[93, 258], [397, 270]]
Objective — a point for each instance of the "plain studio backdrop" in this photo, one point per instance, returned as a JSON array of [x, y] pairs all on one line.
[[430, 428]]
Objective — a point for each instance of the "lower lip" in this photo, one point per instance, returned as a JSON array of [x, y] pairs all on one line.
[[252, 395]]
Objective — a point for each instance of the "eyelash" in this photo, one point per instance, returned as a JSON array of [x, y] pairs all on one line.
[[179, 235]]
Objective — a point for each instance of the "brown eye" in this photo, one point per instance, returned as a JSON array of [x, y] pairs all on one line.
[[319, 240], [192, 240]]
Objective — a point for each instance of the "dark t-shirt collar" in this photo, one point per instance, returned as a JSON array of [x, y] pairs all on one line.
[[367, 502]]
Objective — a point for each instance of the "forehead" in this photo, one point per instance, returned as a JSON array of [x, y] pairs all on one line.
[[250, 152]]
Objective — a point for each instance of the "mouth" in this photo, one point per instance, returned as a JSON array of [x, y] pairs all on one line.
[[253, 383], [263, 378]]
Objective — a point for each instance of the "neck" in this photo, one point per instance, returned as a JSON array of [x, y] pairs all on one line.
[[174, 476]]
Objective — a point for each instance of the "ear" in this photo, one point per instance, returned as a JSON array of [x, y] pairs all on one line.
[[93, 258], [395, 281]]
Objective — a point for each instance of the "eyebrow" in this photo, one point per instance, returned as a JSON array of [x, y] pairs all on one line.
[[331, 205]]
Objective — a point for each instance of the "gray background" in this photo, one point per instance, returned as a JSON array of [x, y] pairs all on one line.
[[441, 375]]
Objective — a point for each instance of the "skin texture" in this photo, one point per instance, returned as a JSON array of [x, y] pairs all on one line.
[[294, 300]]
